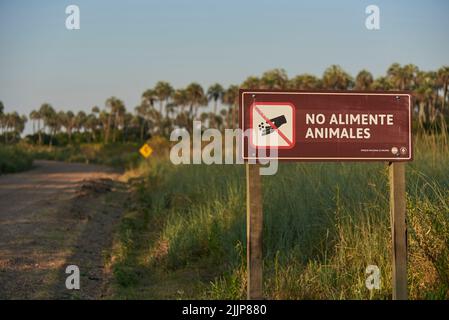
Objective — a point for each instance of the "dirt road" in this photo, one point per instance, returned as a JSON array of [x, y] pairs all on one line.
[[55, 215]]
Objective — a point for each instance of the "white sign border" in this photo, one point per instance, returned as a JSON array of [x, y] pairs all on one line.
[[329, 93]]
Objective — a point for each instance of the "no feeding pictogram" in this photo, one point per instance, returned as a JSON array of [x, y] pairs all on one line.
[[272, 125]]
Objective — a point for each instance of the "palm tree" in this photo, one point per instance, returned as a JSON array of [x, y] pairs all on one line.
[[135, 122], [363, 80], [20, 125], [230, 98], [120, 113], [196, 98], [36, 116], [335, 78], [14, 123], [402, 78], [443, 81], [104, 118], [1, 117], [304, 82], [225, 118], [113, 104], [215, 93], [431, 83], [411, 72], [53, 123], [425, 96], [6, 122], [95, 110], [149, 97], [274, 79], [68, 122], [142, 113], [382, 83], [91, 124], [163, 91], [126, 122], [251, 83], [47, 114], [80, 120], [33, 117], [180, 98], [2, 108]]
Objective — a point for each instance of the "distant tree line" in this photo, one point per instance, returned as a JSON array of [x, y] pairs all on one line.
[[163, 108], [11, 125]]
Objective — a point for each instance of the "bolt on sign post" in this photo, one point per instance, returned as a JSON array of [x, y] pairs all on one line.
[[326, 126]]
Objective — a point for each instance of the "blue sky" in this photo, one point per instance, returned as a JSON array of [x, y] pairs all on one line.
[[125, 47]]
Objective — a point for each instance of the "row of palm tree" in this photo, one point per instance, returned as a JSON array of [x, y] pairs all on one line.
[[182, 106], [430, 88], [11, 124], [106, 123], [163, 108]]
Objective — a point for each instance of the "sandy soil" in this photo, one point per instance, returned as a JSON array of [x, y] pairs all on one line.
[[56, 215]]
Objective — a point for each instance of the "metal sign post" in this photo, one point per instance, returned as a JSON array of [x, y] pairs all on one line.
[[398, 229], [254, 226]]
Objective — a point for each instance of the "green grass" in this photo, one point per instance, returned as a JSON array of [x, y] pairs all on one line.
[[14, 159], [324, 223], [115, 155], [119, 155]]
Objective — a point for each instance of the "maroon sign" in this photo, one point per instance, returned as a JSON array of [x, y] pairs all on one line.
[[345, 125]]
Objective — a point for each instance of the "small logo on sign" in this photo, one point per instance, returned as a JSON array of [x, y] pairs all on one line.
[[394, 150], [403, 150]]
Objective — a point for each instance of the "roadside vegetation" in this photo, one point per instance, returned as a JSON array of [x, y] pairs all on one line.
[[12, 159], [183, 232]]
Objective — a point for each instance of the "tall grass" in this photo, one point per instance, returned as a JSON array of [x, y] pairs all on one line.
[[324, 223]]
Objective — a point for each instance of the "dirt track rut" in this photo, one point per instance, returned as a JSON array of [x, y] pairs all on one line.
[[52, 216]]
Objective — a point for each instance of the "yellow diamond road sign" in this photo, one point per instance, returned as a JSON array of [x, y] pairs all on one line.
[[146, 150]]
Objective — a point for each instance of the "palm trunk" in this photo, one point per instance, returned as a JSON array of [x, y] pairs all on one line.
[[52, 132], [215, 114], [433, 111], [166, 110], [421, 115], [125, 131], [234, 112], [444, 96], [108, 129], [114, 133], [142, 128], [191, 111], [39, 131]]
